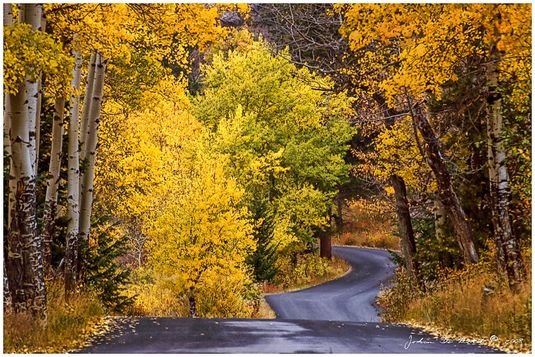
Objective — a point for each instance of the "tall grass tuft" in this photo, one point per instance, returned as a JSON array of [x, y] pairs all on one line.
[[69, 324], [474, 302]]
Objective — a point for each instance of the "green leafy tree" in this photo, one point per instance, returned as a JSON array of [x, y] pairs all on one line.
[[285, 131]]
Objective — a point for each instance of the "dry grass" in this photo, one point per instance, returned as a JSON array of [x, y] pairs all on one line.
[[457, 306], [367, 224], [264, 311], [69, 324]]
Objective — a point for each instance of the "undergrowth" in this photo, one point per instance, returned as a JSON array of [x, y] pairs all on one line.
[[309, 270], [69, 324], [369, 224], [474, 302]]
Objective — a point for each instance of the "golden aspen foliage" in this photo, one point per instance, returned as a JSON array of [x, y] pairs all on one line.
[[398, 154], [32, 53], [163, 173], [202, 237], [434, 40]]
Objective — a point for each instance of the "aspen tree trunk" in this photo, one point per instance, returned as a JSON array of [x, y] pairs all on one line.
[[73, 182], [440, 230], [51, 199], [89, 149], [89, 90], [446, 193], [38, 125], [406, 232], [25, 259], [8, 227], [8, 303], [493, 191], [15, 243], [506, 242], [32, 14], [39, 105], [25, 250]]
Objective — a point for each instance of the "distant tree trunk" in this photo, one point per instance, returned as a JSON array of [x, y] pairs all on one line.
[[73, 183], [440, 231], [325, 245], [440, 221], [406, 232], [51, 199], [339, 218], [89, 149], [38, 124], [192, 303], [25, 259], [508, 248], [446, 193], [39, 106]]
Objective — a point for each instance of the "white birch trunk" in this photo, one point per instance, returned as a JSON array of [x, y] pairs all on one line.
[[73, 182], [51, 198], [89, 148]]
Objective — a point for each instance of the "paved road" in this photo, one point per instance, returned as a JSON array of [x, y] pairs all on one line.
[[337, 317], [168, 335], [350, 298]]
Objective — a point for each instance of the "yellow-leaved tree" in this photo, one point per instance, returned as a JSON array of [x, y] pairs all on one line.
[[189, 231]]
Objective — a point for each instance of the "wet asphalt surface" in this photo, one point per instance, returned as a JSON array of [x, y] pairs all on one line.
[[336, 317], [350, 298]]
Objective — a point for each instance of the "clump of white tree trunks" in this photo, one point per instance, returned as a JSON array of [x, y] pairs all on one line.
[[28, 258]]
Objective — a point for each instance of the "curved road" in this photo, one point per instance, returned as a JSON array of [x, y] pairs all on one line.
[[350, 298], [336, 317]]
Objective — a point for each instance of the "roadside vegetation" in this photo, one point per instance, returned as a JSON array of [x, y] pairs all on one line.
[[473, 303], [70, 323]]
